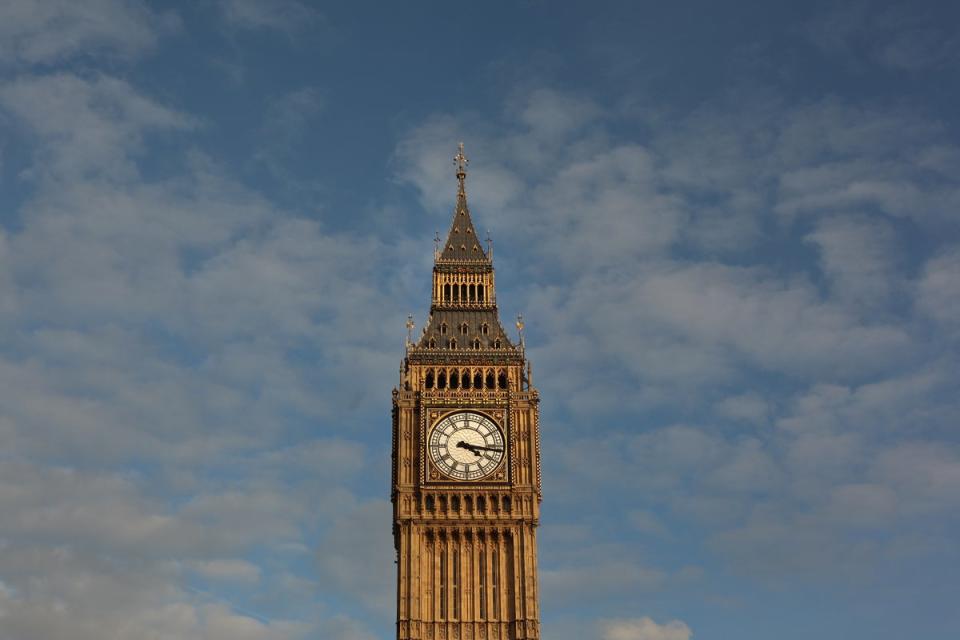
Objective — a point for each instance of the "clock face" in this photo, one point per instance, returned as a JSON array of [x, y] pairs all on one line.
[[466, 446]]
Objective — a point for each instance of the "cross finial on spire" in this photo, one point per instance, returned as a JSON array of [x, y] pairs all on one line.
[[461, 162]]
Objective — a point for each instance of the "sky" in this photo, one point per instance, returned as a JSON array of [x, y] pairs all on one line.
[[733, 231]]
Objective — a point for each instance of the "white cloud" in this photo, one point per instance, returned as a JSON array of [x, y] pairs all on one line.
[[288, 16], [233, 570], [860, 257], [748, 407], [49, 31], [892, 37], [644, 629], [86, 127], [938, 294], [356, 555]]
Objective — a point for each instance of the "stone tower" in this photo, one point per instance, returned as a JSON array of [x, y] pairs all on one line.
[[466, 458]]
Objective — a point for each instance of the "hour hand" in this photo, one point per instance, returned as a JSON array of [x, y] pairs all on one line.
[[472, 448]]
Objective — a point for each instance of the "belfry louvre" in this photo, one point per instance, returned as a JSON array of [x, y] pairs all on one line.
[[466, 458]]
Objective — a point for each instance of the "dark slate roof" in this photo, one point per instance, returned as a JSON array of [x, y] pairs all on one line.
[[474, 319], [462, 244]]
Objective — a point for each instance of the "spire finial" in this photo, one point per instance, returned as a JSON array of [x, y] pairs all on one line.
[[461, 162], [520, 326]]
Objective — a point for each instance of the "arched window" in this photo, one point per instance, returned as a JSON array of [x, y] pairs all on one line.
[[468, 502], [476, 343], [443, 584], [454, 379], [453, 343], [491, 383], [446, 293], [481, 504], [456, 293], [463, 292], [495, 581], [465, 379], [428, 380], [442, 380], [464, 328], [483, 583], [502, 380], [455, 582], [432, 344], [478, 380], [473, 292], [443, 328], [480, 292], [455, 503], [484, 328], [506, 504], [497, 344]]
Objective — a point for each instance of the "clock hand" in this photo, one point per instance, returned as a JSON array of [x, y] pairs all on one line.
[[472, 448], [476, 446]]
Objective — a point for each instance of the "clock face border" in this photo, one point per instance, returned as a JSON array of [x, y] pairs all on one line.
[[433, 474]]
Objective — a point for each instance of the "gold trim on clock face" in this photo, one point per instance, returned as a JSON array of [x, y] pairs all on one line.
[[466, 446]]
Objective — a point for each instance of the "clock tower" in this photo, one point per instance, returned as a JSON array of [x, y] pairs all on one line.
[[466, 458]]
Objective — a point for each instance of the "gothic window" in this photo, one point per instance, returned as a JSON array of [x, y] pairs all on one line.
[[464, 328], [465, 379], [456, 293], [453, 343], [455, 503], [502, 380], [497, 344], [443, 584], [455, 583], [480, 292], [473, 292], [454, 378], [476, 343], [463, 291], [478, 380], [506, 504], [495, 582], [481, 504], [428, 381], [442, 380], [491, 384], [484, 328], [432, 343], [443, 329], [483, 584], [468, 501]]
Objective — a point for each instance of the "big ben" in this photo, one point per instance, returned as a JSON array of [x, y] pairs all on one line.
[[466, 458]]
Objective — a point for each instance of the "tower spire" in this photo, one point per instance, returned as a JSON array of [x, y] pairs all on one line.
[[462, 243], [461, 163]]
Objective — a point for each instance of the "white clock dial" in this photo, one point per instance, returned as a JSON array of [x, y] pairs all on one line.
[[466, 446]]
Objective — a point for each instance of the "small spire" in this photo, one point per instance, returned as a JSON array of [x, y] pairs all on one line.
[[461, 163], [520, 326]]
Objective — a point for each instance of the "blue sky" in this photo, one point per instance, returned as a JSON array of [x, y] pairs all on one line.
[[732, 232]]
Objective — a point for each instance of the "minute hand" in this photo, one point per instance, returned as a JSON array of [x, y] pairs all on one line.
[[477, 446]]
